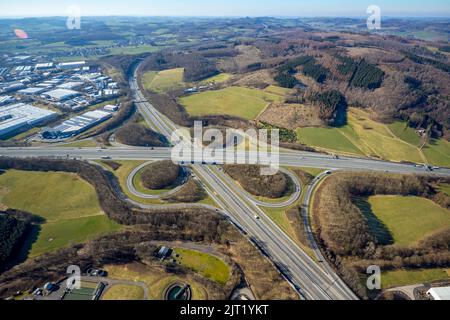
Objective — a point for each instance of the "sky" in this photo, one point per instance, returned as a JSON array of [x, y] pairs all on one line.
[[297, 8]]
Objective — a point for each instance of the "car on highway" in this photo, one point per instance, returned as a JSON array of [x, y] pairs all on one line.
[[257, 217], [106, 158]]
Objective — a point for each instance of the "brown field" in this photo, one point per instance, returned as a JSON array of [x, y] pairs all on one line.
[[291, 116]]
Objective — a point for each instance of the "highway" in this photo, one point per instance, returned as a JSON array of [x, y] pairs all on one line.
[[298, 268], [287, 158], [310, 279]]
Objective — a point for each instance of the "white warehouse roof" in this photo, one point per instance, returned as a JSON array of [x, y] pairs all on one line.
[[62, 94], [71, 85], [33, 90], [17, 116], [440, 293]]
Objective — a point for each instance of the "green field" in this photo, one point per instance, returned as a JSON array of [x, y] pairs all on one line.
[[207, 265], [327, 138], [438, 152], [220, 78], [163, 81], [124, 292], [241, 102], [398, 278], [409, 219], [68, 203], [79, 144], [364, 136], [278, 90], [406, 133], [445, 188]]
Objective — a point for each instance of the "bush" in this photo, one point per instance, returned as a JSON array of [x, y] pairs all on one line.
[[11, 231], [160, 175], [367, 76], [250, 178], [333, 107], [137, 135]]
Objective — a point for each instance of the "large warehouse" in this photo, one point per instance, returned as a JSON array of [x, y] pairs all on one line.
[[20, 117], [77, 125], [61, 94]]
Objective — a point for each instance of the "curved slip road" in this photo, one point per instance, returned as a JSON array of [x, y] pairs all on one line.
[[131, 187], [292, 198]]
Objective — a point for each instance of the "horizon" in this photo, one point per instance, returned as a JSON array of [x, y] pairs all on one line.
[[228, 16], [232, 8]]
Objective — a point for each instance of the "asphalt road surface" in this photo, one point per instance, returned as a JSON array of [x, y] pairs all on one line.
[[310, 279]]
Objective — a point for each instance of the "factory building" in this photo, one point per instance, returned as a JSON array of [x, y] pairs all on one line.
[[60, 94], [19, 117], [6, 99], [77, 125], [71, 85], [44, 66], [31, 91], [72, 65]]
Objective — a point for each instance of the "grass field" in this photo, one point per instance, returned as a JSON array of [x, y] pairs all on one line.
[[278, 90], [79, 144], [163, 81], [409, 219], [156, 279], [207, 265], [327, 138], [406, 133], [220, 78], [445, 188], [124, 292], [438, 152], [363, 136], [398, 278], [68, 203], [241, 102]]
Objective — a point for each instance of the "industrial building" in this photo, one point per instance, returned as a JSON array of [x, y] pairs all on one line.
[[6, 99], [77, 125], [20, 117], [60, 94], [72, 65], [44, 66], [71, 85], [442, 293], [111, 108], [31, 91]]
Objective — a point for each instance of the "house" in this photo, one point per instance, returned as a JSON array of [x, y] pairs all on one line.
[[164, 252]]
